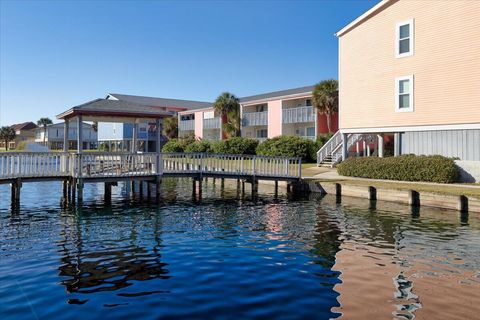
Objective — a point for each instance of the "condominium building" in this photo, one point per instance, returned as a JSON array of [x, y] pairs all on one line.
[[267, 115]]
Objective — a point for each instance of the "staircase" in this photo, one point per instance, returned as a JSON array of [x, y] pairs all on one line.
[[330, 153]]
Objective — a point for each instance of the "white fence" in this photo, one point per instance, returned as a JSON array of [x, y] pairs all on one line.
[[299, 115], [255, 118], [105, 165]]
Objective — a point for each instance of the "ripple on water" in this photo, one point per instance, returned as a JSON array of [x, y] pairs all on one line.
[[232, 258]]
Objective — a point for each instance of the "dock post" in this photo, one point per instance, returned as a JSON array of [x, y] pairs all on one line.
[[200, 189], [276, 188], [65, 190], [16, 186], [108, 192], [158, 184], [149, 190], [243, 188], [254, 188], [289, 187], [80, 190], [133, 186], [140, 188], [73, 186], [194, 187]]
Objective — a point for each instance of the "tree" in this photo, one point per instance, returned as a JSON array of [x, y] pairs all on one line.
[[170, 127], [7, 134], [44, 122], [228, 106], [325, 99]]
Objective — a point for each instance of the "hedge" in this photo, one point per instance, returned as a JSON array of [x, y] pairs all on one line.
[[406, 168], [287, 146], [199, 146], [237, 145]]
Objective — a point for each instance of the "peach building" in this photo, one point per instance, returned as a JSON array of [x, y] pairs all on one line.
[[267, 115], [409, 70]]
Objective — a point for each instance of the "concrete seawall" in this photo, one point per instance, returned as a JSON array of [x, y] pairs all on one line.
[[460, 203]]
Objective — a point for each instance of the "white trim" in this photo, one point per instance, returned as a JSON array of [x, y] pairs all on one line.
[[285, 97], [364, 16], [410, 93], [410, 38], [466, 126]]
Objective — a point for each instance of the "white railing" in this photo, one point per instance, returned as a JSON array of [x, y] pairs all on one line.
[[213, 123], [29, 164], [255, 118], [186, 125], [299, 115], [95, 165], [112, 165], [235, 165], [333, 148]]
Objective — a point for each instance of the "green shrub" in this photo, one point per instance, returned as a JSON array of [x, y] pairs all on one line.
[[199, 146], [287, 146], [406, 168], [236, 145], [174, 145], [319, 142]]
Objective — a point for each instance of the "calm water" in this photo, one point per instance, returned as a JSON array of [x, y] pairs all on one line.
[[228, 258]]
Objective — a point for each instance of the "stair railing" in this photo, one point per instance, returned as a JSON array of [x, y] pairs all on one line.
[[328, 148]]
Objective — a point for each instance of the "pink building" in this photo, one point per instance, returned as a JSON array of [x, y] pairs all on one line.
[[268, 115]]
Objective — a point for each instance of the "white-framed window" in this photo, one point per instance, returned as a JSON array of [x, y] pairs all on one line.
[[310, 131], [404, 94], [404, 38]]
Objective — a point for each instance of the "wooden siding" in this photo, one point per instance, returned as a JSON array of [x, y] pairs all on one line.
[[464, 144], [445, 65]]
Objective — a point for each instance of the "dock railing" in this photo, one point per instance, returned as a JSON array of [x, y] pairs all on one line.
[[112, 165]]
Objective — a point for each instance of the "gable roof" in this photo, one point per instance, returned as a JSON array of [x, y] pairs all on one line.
[[24, 126], [374, 10], [278, 94], [114, 108], [161, 102]]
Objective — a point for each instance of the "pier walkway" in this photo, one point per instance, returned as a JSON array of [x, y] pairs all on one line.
[[76, 169]]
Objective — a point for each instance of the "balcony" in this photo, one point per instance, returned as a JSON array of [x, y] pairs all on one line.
[[186, 125], [255, 119], [213, 123], [299, 115]]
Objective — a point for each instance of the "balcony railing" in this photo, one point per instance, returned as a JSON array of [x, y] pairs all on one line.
[[299, 115], [186, 125], [213, 123], [255, 119]]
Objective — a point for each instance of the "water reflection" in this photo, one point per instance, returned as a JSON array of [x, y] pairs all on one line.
[[404, 266], [113, 264], [232, 257]]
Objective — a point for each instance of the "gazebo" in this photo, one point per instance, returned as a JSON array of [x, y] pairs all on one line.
[[103, 110]]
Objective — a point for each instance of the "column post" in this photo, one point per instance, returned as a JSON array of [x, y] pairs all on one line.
[[344, 146], [135, 137], [380, 145], [397, 144], [158, 147]]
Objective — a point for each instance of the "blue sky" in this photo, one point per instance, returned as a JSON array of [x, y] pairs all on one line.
[[58, 54]]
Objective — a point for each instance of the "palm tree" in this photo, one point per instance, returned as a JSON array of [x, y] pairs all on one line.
[[228, 106], [170, 127], [325, 99], [44, 122], [7, 134]]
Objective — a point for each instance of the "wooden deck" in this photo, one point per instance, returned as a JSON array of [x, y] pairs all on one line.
[[79, 168]]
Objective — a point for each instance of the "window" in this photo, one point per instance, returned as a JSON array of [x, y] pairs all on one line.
[[404, 39], [308, 102], [404, 94], [208, 115], [262, 133], [311, 132]]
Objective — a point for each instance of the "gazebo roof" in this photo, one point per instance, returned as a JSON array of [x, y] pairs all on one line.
[[114, 111]]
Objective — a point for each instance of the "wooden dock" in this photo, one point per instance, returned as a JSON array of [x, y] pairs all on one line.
[[76, 169]]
